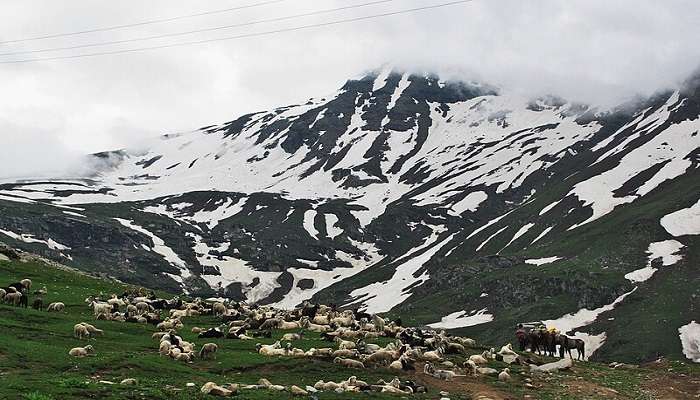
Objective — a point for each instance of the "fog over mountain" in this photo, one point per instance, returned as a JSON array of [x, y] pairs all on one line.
[[53, 112]]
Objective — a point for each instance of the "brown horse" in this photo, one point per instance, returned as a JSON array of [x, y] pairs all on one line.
[[566, 344]]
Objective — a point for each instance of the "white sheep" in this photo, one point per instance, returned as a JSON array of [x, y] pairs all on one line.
[[345, 344], [478, 359], [13, 298], [218, 308], [100, 309], [289, 337], [507, 350], [142, 307], [297, 391], [345, 353], [80, 331], [475, 369], [504, 376], [208, 350], [164, 348], [435, 355], [378, 322], [3, 292], [92, 330], [56, 307], [348, 362], [382, 357], [81, 351], [27, 283], [215, 390]]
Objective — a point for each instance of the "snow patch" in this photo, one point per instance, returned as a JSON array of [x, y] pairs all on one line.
[[159, 247], [683, 222], [331, 228], [542, 261], [666, 250], [383, 296], [461, 319], [690, 340], [309, 218], [29, 238]]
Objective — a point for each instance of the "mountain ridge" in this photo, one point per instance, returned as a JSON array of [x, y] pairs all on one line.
[[398, 190]]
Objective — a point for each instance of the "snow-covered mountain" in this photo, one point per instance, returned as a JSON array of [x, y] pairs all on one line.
[[458, 203]]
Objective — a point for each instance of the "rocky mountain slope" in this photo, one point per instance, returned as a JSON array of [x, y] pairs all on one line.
[[453, 204]]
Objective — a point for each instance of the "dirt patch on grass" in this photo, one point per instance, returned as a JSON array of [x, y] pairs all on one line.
[[585, 389], [674, 387], [473, 387]]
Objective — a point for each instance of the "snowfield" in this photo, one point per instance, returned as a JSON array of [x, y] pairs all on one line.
[[462, 319], [666, 250], [690, 340], [683, 222]]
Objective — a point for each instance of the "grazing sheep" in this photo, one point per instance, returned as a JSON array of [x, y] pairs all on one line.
[[478, 359], [345, 344], [435, 355], [306, 324], [218, 308], [443, 374], [507, 350], [378, 322], [80, 331], [56, 307], [38, 304], [164, 348], [215, 390], [197, 330], [382, 357], [14, 298], [142, 307], [82, 351], [322, 352], [100, 310], [271, 349], [3, 292], [345, 353], [348, 362], [93, 331], [208, 350], [455, 348], [131, 309], [129, 382], [289, 337], [27, 283], [471, 366], [297, 391], [184, 357], [504, 376]]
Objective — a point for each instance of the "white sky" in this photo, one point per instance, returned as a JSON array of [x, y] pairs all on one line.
[[598, 51]]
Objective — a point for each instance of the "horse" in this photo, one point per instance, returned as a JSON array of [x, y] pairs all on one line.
[[567, 343]]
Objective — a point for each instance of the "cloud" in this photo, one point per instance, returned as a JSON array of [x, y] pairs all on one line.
[[595, 51]]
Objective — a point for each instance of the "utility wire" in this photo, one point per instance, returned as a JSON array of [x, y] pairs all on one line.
[[147, 22], [248, 35], [165, 35]]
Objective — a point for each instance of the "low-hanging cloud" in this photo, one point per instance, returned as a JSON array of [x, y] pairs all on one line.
[[53, 112]]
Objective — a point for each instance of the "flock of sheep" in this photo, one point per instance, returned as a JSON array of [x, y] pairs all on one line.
[[350, 336], [17, 294]]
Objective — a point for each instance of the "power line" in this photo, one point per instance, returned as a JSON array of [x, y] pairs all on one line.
[[278, 19], [248, 35], [147, 22]]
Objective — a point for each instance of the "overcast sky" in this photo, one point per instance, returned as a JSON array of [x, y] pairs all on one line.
[[599, 51]]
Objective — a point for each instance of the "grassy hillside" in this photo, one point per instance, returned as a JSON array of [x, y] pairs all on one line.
[[34, 363]]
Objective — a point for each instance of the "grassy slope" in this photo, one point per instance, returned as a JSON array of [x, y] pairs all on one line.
[[34, 345]]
